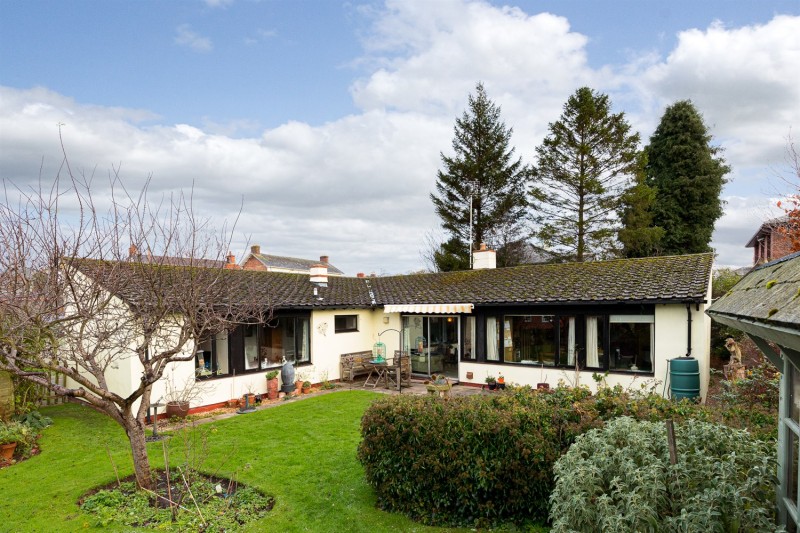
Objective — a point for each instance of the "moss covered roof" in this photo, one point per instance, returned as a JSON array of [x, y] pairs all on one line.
[[770, 294], [648, 280], [652, 279]]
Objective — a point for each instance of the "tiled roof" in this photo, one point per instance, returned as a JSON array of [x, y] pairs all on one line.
[[649, 280], [770, 294], [652, 279], [292, 263], [766, 229]]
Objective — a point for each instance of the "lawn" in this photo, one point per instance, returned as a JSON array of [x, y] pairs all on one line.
[[303, 453]]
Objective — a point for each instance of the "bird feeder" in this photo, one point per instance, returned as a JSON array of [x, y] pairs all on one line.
[[379, 352]]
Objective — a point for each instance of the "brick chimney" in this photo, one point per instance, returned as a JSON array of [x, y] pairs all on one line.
[[319, 275], [323, 259], [230, 262], [484, 258], [255, 249], [132, 251], [361, 275]]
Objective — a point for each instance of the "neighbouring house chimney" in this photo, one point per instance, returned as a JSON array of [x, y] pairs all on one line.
[[361, 275], [132, 251], [230, 264], [255, 249], [484, 258], [323, 259], [319, 275]]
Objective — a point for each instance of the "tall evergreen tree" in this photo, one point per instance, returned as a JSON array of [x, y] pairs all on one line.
[[687, 173], [482, 172], [583, 167], [638, 236]]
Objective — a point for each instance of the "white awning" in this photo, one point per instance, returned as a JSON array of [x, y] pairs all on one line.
[[429, 309]]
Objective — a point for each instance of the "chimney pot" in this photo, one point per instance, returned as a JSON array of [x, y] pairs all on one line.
[[361, 275], [255, 249], [323, 259]]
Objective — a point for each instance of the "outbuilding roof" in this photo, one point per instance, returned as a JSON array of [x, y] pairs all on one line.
[[769, 295], [682, 278]]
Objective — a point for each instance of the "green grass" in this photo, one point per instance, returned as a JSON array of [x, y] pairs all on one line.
[[302, 453]]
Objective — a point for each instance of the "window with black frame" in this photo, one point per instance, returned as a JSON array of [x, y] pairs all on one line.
[[345, 323], [254, 347]]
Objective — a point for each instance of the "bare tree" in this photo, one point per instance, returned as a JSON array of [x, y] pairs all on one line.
[[74, 301], [791, 204]]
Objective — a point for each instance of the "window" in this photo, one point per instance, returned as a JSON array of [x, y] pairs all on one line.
[[211, 357], [469, 338], [254, 347], [631, 343], [492, 339], [345, 323], [530, 339]]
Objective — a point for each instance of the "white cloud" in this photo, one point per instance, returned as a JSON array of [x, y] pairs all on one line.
[[357, 188], [188, 38]]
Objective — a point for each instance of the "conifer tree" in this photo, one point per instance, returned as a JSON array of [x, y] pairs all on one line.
[[482, 172], [638, 236], [687, 173], [583, 167]]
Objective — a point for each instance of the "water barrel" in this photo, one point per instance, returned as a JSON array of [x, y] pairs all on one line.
[[287, 377], [684, 378]]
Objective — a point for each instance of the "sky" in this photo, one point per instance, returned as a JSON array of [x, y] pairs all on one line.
[[321, 124]]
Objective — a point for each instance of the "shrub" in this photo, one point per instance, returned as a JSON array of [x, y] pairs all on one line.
[[619, 478], [474, 460]]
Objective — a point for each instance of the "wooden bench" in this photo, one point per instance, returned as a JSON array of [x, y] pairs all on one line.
[[354, 364]]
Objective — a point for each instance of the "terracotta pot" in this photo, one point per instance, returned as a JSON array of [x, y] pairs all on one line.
[[7, 451], [543, 386], [306, 391], [177, 409], [272, 388], [298, 387]]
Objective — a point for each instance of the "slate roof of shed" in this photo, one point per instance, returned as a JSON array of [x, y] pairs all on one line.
[[769, 294], [648, 280]]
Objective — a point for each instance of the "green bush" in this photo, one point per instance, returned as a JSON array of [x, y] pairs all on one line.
[[475, 460], [22, 434], [619, 478]]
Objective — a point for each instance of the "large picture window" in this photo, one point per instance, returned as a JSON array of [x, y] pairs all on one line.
[[530, 339], [254, 347]]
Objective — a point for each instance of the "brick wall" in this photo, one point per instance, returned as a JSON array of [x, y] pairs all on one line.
[[253, 264]]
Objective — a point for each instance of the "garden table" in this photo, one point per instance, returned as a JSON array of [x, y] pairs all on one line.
[[376, 374]]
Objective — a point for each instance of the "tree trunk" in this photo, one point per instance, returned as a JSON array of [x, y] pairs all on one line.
[[141, 463]]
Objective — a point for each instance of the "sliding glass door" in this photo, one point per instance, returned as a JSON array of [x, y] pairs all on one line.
[[433, 342]]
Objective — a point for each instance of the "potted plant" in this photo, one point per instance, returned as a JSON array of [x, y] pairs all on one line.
[[11, 434], [306, 387], [501, 382], [272, 384], [178, 399], [491, 382], [249, 396]]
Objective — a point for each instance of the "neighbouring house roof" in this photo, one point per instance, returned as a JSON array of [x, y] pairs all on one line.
[[291, 263], [766, 229], [649, 280], [766, 302]]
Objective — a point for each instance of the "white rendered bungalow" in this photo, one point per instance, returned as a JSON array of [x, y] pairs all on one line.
[[532, 323]]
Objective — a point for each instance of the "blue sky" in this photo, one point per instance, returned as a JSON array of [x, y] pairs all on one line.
[[325, 119]]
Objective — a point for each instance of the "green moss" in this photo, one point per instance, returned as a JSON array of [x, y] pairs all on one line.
[[771, 312], [771, 283]]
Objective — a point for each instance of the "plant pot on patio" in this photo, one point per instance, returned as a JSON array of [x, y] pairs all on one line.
[[7, 451], [298, 387], [177, 409]]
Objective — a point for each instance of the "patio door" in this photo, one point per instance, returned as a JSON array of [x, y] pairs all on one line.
[[434, 343]]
